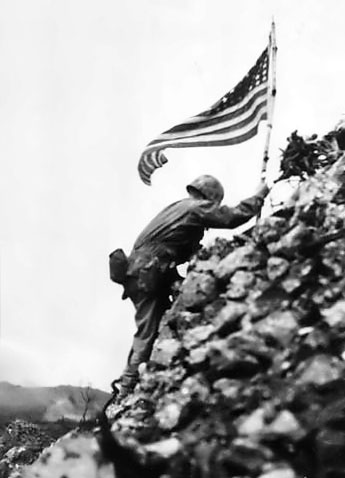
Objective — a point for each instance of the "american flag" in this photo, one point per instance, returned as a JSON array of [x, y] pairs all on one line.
[[232, 120]]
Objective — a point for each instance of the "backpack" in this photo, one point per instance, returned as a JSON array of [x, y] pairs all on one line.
[[118, 265]]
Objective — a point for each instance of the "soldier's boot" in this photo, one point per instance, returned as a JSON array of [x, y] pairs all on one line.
[[125, 387]]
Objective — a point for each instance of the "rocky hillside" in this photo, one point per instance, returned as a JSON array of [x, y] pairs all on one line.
[[247, 377]]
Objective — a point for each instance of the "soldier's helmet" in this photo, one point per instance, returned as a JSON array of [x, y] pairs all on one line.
[[208, 187]]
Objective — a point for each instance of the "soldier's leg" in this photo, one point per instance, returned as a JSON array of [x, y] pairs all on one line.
[[149, 311]]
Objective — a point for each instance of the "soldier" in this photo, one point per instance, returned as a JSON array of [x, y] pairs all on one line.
[[170, 239]]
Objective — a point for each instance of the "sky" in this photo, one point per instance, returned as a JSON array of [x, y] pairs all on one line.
[[84, 86]]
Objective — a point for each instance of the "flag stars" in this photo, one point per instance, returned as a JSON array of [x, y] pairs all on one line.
[[210, 128]]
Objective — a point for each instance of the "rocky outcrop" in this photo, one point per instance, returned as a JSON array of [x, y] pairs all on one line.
[[247, 377], [20, 444]]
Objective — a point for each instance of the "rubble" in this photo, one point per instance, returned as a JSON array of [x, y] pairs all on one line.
[[20, 444], [247, 377]]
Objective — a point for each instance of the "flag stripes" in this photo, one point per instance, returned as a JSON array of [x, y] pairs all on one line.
[[232, 120]]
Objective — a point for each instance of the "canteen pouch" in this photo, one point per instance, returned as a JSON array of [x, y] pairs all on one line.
[[118, 265]]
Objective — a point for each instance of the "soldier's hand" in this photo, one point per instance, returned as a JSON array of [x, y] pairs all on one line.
[[176, 287], [262, 189]]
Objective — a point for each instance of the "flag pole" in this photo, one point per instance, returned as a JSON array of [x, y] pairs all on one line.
[[271, 97], [272, 55]]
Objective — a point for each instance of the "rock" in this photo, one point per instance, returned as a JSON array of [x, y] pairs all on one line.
[[194, 337], [15, 453], [269, 229], [285, 424], [335, 315], [210, 311], [316, 340], [169, 415], [250, 343], [291, 284], [229, 317], [231, 363], [195, 387], [165, 351], [280, 326], [277, 267], [185, 320], [334, 267], [319, 370], [289, 243], [227, 387], [253, 424], [285, 472], [198, 355], [73, 458], [247, 456], [240, 284], [332, 293], [198, 290], [246, 257], [208, 265], [164, 448], [297, 275]]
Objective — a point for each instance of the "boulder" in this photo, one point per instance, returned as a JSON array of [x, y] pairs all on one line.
[[246, 257], [197, 290]]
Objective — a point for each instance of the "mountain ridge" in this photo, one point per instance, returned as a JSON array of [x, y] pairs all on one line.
[[40, 403]]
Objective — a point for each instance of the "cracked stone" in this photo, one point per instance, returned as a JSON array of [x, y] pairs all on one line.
[[269, 229], [228, 318], [227, 387], [253, 424], [286, 424], [164, 448], [246, 257], [198, 289], [240, 284], [335, 315], [165, 351], [277, 267], [231, 363], [319, 370], [195, 336], [289, 243], [280, 326], [195, 387], [169, 415], [198, 355]]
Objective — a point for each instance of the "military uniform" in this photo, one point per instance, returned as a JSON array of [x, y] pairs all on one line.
[[170, 239]]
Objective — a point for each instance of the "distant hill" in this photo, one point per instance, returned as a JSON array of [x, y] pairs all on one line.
[[37, 404]]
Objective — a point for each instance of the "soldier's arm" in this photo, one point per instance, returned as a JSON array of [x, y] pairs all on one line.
[[225, 217]]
